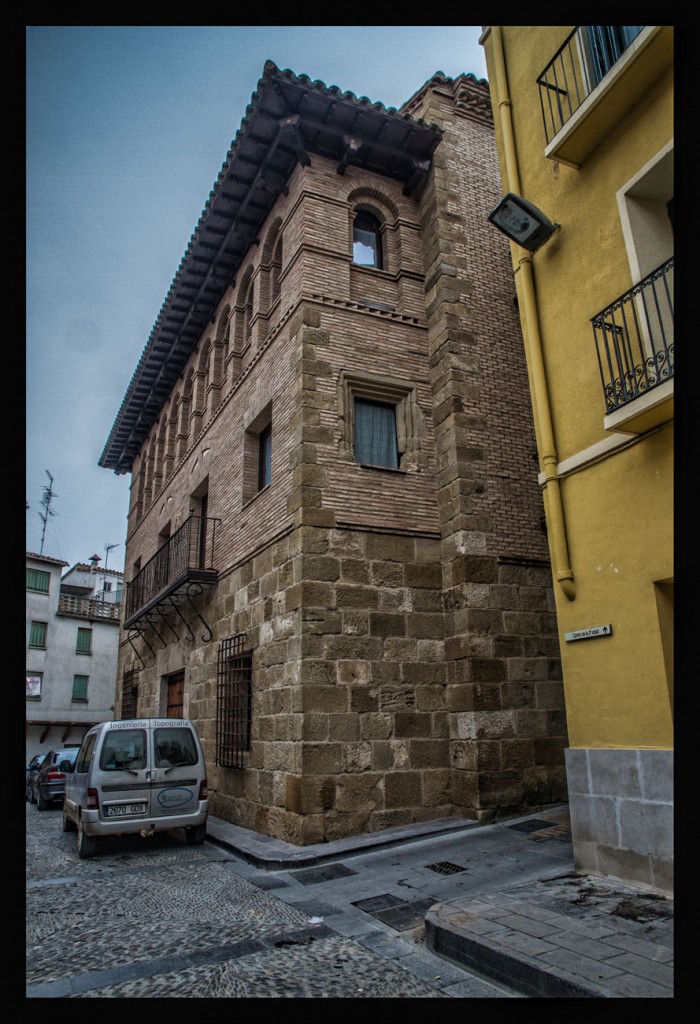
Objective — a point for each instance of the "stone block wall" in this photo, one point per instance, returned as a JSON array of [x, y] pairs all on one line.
[[621, 808]]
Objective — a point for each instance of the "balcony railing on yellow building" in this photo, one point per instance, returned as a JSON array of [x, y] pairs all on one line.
[[580, 63], [634, 339], [186, 558]]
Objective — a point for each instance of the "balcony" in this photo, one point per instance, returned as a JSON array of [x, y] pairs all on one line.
[[596, 76], [183, 564], [88, 608], [635, 349]]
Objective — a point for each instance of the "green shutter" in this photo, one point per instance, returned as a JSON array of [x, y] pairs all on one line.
[[84, 645], [38, 580], [80, 685], [37, 634]]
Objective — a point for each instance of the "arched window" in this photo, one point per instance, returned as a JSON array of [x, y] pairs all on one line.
[[367, 240]]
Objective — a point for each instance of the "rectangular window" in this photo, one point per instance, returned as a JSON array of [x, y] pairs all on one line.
[[265, 457], [37, 635], [38, 580], [84, 644], [130, 695], [606, 44], [375, 434], [80, 687], [34, 681], [257, 454], [233, 701]]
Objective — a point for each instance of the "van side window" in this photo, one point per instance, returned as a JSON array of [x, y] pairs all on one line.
[[174, 747], [123, 748], [85, 754]]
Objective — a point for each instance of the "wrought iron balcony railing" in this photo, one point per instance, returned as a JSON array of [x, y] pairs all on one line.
[[185, 558], [634, 339], [580, 63]]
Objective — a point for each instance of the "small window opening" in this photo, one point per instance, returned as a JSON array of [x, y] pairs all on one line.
[[366, 240]]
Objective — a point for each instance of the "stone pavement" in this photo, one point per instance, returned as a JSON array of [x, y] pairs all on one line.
[[445, 909], [502, 901]]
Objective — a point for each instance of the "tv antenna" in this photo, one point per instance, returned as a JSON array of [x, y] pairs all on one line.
[[49, 495]]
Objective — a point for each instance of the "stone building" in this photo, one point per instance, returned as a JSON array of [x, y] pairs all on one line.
[[336, 559]]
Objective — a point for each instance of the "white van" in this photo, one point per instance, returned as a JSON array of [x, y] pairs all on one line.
[[139, 775]]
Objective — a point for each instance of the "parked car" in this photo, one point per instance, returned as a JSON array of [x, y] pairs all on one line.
[[32, 769], [137, 777], [49, 783]]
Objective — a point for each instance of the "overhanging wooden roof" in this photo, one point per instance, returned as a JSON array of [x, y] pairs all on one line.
[[288, 118]]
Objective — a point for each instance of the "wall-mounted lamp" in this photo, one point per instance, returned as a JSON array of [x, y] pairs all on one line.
[[522, 222]]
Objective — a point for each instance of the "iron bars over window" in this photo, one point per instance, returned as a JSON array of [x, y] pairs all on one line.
[[634, 339], [233, 701]]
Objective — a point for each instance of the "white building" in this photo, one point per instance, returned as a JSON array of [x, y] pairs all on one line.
[[72, 642]]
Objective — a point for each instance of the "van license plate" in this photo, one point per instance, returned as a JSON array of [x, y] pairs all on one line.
[[118, 810]]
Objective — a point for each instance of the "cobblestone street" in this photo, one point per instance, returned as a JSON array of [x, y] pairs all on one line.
[[158, 918]]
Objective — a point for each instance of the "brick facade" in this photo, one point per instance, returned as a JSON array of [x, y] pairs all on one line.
[[404, 647]]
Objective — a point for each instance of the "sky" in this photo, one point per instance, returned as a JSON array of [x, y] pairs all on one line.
[[127, 129]]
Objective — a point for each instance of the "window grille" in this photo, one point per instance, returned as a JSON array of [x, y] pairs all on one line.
[[130, 694], [233, 701]]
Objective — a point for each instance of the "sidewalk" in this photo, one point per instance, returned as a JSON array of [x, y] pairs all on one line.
[[558, 934]]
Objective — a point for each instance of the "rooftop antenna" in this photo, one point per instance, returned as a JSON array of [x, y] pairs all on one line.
[[49, 494]]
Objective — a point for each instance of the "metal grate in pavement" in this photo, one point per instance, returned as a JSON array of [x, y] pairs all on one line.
[[327, 873], [398, 914], [444, 867]]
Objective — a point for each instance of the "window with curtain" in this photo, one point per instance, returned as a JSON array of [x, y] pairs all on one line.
[[375, 433], [366, 240], [37, 634], [34, 681], [84, 642], [80, 688]]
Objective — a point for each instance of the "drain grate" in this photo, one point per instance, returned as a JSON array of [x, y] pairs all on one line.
[[375, 903], [311, 876], [444, 867], [398, 914]]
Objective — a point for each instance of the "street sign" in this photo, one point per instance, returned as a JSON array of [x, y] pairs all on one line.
[[583, 634]]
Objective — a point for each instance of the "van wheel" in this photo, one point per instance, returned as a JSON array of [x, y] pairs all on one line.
[[196, 835], [68, 823], [32, 798], [86, 844], [42, 804]]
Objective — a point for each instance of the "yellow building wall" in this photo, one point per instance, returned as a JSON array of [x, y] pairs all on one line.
[[618, 510]]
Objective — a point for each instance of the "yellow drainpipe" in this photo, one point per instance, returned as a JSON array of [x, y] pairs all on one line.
[[562, 571]]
